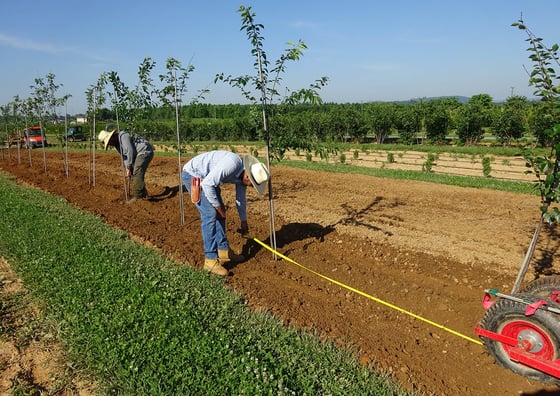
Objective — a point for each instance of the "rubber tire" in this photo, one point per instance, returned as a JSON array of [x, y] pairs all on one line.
[[543, 287], [510, 315]]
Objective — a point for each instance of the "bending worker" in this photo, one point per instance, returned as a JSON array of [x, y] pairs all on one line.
[[136, 154], [202, 176]]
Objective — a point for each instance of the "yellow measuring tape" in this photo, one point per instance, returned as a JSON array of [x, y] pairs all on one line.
[[439, 326]]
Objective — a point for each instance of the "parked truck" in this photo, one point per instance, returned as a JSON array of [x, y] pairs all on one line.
[[75, 134], [34, 137]]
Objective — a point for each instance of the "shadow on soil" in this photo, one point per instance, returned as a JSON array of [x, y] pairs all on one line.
[[287, 234], [540, 393], [167, 193], [357, 217], [544, 266]]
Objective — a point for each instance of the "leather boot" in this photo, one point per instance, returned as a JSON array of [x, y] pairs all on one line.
[[229, 255], [215, 267]]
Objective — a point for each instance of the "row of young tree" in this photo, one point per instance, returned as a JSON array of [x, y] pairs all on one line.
[[40, 108]]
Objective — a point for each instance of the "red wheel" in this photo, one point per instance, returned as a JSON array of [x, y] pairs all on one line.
[[531, 336], [538, 334]]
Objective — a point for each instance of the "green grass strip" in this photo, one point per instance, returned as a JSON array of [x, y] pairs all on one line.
[[142, 325]]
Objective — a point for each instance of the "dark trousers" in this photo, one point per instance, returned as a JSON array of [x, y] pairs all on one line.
[[139, 171]]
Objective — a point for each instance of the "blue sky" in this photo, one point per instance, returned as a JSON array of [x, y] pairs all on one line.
[[370, 50]]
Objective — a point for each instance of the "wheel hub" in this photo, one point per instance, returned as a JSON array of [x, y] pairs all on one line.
[[530, 341]]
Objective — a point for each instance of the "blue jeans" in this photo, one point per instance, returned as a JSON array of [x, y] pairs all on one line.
[[213, 227]]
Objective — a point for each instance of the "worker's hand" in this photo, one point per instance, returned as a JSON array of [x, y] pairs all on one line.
[[129, 172], [244, 230], [221, 212]]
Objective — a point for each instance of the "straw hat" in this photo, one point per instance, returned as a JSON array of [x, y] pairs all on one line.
[[257, 172], [105, 136]]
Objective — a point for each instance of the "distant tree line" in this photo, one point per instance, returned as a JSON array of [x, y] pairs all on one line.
[[434, 120]]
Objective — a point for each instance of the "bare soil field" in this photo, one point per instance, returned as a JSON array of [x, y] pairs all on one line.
[[429, 249]]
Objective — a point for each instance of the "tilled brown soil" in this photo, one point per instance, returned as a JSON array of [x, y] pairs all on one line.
[[428, 249]]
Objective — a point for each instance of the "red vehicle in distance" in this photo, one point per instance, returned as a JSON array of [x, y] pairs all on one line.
[[34, 137]]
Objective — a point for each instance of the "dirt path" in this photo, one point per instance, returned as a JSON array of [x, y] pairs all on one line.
[[427, 248]]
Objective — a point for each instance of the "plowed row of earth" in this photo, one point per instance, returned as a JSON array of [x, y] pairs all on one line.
[[429, 249]]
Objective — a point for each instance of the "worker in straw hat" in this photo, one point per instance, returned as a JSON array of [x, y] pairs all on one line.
[[202, 176], [136, 153]]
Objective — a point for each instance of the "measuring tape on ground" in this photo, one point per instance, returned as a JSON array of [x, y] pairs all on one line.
[[378, 300]]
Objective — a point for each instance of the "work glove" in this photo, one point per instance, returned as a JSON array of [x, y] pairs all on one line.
[[244, 230]]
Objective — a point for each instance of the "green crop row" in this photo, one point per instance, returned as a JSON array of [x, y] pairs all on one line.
[[453, 180], [142, 325]]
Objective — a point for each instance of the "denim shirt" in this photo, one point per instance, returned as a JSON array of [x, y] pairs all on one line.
[[218, 167]]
